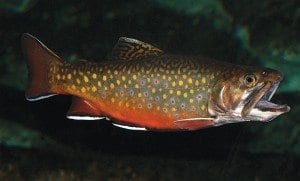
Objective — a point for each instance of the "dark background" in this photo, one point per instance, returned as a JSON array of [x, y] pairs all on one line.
[[38, 142]]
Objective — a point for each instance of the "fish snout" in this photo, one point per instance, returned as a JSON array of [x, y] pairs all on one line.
[[272, 75]]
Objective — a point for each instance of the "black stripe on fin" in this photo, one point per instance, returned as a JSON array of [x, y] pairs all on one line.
[[128, 49]]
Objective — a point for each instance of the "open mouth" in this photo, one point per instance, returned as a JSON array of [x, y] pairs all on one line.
[[260, 99], [264, 103]]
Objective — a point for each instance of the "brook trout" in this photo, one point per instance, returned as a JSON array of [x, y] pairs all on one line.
[[144, 88]]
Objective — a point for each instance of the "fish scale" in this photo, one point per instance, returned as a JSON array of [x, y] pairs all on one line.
[[147, 85], [144, 88]]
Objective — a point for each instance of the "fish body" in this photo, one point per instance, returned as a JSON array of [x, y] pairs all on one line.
[[144, 88]]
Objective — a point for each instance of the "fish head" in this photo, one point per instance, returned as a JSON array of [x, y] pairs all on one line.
[[244, 94]]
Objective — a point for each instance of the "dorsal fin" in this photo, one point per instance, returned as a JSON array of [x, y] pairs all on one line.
[[82, 109], [128, 49]]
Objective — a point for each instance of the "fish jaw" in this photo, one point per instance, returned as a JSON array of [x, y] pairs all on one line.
[[264, 110], [252, 105]]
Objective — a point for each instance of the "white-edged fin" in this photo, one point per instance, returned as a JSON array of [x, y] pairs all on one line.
[[130, 127], [84, 118], [194, 123], [194, 119], [40, 97]]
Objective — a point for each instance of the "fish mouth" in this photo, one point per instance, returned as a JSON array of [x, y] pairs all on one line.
[[259, 100]]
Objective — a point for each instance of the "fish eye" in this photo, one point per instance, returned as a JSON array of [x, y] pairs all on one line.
[[250, 80]]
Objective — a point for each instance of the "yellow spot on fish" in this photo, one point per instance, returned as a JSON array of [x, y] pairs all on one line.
[[164, 77], [112, 86], [63, 77], [203, 107], [203, 80], [108, 71], [123, 78], [191, 100], [139, 94], [58, 76], [192, 91], [164, 96], [86, 79], [134, 77], [190, 80], [160, 89], [184, 76], [80, 73], [153, 90], [69, 76], [185, 94], [171, 91], [178, 92], [174, 84], [83, 89], [78, 81], [115, 72], [118, 82], [169, 78], [105, 88], [94, 76], [136, 86], [74, 72], [173, 109], [73, 87], [209, 90], [129, 81], [104, 77], [94, 89], [148, 80], [180, 82], [99, 83]]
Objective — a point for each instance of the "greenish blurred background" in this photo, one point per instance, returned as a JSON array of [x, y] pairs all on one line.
[[37, 142]]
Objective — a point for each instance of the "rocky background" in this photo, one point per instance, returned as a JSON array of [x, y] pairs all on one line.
[[37, 142]]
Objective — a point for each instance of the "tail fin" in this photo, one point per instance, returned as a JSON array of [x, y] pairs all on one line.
[[39, 58]]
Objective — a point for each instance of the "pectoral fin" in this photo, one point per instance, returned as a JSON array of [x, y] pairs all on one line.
[[194, 123], [128, 49], [82, 109]]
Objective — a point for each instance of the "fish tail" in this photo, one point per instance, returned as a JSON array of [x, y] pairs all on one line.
[[39, 59]]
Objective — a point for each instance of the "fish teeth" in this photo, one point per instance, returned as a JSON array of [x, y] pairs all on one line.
[[274, 88]]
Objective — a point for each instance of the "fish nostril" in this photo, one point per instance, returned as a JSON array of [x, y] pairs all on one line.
[[264, 73]]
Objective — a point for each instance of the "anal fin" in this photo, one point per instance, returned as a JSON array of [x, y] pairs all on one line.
[[194, 123], [134, 128], [82, 109]]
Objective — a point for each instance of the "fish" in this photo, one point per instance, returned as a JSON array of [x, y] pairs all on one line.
[[141, 87]]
